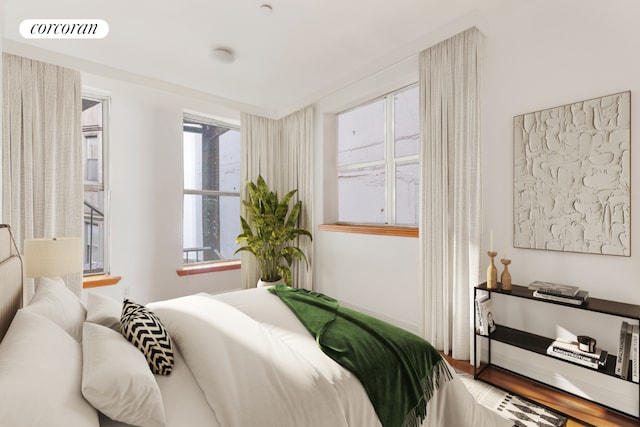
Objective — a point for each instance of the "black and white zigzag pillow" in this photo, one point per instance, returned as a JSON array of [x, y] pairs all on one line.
[[142, 327]]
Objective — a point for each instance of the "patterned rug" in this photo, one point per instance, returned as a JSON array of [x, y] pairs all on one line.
[[522, 412]]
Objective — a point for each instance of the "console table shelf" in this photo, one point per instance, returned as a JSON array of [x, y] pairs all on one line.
[[538, 344]]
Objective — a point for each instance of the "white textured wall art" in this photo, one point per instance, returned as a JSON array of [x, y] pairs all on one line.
[[572, 177]]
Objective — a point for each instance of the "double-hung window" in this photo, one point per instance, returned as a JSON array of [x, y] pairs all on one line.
[[378, 160], [95, 111], [211, 211]]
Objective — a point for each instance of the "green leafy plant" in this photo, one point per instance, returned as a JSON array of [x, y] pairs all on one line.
[[269, 231]]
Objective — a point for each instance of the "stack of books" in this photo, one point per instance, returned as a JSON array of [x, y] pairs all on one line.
[[561, 293], [570, 351], [627, 363]]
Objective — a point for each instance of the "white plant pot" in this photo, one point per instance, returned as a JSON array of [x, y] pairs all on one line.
[[262, 283]]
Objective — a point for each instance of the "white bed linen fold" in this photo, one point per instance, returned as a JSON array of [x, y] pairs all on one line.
[[248, 376]]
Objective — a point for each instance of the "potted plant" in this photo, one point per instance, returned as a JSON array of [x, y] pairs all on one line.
[[269, 230]]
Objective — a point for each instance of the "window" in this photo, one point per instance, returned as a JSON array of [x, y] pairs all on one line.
[[94, 123], [378, 160], [211, 190]]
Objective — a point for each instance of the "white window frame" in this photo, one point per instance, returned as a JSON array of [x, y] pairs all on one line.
[[389, 161], [103, 134], [202, 119]]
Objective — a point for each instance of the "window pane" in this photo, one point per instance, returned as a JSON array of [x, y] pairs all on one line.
[[211, 157], [230, 163], [192, 158], [94, 121], [361, 195], [407, 196], [94, 233], [406, 122], [361, 134], [211, 224]]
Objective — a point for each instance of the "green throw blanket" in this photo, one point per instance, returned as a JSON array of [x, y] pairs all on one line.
[[398, 369]]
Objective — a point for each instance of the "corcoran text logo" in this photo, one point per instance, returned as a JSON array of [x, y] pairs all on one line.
[[64, 29]]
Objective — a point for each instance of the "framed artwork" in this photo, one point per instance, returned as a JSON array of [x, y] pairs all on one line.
[[571, 189]]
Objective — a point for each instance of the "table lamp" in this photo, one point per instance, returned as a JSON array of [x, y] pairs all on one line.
[[52, 257]]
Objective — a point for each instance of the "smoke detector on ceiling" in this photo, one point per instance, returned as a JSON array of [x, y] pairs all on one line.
[[223, 54], [266, 9]]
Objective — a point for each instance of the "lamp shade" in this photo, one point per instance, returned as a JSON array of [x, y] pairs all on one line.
[[52, 257]]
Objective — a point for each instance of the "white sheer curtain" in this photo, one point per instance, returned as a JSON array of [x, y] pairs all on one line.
[[450, 178], [42, 176], [280, 151]]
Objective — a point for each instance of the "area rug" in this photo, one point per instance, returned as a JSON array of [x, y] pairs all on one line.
[[522, 412]]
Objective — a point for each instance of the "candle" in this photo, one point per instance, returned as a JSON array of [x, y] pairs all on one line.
[[491, 240], [505, 249]]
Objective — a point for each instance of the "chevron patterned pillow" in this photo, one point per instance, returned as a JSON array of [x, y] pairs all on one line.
[[142, 327]]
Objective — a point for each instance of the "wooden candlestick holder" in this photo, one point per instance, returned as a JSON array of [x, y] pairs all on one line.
[[505, 278], [492, 272]]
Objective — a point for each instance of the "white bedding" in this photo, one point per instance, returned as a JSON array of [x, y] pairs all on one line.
[[243, 359]]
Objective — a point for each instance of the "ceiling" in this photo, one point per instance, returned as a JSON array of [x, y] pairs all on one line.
[[301, 51]]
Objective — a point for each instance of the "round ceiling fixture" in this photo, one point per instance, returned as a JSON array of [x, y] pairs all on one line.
[[223, 54], [266, 9]]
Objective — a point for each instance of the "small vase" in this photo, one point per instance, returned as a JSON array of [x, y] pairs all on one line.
[[492, 272], [263, 283], [505, 279]]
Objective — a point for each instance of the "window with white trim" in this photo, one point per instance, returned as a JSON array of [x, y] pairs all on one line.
[[211, 203], [378, 160], [95, 109]]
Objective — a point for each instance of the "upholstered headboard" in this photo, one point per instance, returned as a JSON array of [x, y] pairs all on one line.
[[11, 278]]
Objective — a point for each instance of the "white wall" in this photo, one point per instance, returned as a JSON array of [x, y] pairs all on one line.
[[145, 165], [537, 54], [543, 54]]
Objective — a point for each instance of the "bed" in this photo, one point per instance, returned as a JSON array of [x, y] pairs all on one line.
[[237, 359]]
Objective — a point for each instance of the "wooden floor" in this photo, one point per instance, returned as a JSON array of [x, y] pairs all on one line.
[[581, 413]]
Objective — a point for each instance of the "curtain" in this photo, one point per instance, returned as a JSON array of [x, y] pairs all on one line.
[[450, 223], [42, 176], [280, 151]]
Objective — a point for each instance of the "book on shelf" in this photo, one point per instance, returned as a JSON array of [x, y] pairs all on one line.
[[571, 352], [633, 357], [623, 350], [486, 316], [577, 299], [554, 288], [479, 323]]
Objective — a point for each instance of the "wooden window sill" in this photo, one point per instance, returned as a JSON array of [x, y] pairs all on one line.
[[381, 230], [209, 268], [99, 280]]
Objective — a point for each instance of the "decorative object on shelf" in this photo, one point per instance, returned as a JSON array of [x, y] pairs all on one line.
[[485, 312], [492, 272], [573, 162], [275, 231], [634, 356], [577, 299], [554, 288], [571, 352], [627, 356], [505, 278], [586, 343]]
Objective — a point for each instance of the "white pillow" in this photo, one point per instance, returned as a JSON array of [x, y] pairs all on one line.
[[53, 300], [116, 378], [103, 311], [40, 368]]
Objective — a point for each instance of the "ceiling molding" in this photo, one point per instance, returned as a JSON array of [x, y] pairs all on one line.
[[84, 66]]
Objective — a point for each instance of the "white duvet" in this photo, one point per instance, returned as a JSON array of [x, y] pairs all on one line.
[[243, 359]]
